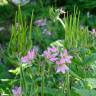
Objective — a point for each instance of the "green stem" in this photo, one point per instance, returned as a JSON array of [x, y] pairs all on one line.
[[23, 81], [42, 93], [21, 76], [61, 21], [68, 84]]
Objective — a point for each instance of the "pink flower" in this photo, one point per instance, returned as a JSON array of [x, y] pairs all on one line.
[[58, 62], [59, 58], [62, 68], [62, 60], [47, 32], [51, 54], [16, 91], [46, 54], [24, 59], [29, 57], [40, 22], [31, 54], [53, 49], [67, 58], [53, 59]]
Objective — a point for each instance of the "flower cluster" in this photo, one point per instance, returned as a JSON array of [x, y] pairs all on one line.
[[29, 57], [40, 22], [16, 91], [45, 31], [61, 59], [51, 54]]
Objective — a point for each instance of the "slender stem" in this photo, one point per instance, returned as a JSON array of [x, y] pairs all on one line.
[[37, 89], [68, 84], [23, 81], [61, 21], [64, 86], [20, 66], [42, 93]]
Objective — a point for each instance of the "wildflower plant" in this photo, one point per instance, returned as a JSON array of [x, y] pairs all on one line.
[[21, 35], [26, 64], [33, 67], [75, 36], [29, 57], [54, 71], [60, 58]]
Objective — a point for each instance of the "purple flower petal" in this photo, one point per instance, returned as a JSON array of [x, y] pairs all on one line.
[[53, 59], [29, 57], [53, 49], [40, 22], [16, 91], [24, 59], [62, 68]]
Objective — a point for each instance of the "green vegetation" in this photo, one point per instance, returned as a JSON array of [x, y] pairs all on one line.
[[48, 48]]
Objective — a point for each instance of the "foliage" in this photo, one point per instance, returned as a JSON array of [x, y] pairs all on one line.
[[19, 42], [38, 76], [74, 35]]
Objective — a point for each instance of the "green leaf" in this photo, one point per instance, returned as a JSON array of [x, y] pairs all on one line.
[[15, 71], [52, 91], [91, 82], [58, 43], [90, 59], [85, 92]]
